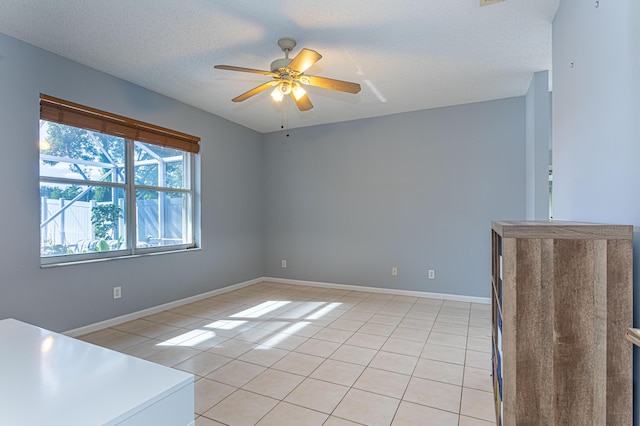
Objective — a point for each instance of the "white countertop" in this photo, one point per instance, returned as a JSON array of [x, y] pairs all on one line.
[[50, 379]]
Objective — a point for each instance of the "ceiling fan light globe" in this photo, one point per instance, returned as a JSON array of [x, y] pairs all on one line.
[[277, 94], [298, 91], [285, 88]]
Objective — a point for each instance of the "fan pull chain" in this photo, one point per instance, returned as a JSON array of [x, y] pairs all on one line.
[[286, 115], [284, 124]]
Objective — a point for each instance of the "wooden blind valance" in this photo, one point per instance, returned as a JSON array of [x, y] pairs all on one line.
[[71, 114]]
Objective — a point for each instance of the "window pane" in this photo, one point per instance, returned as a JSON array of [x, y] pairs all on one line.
[[163, 218], [160, 166], [91, 181], [73, 153], [81, 219]]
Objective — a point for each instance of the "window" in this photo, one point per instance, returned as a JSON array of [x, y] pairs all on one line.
[[111, 186]]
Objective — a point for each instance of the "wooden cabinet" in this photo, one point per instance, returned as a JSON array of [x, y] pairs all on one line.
[[562, 302]]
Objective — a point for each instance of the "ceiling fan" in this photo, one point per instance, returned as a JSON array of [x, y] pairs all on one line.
[[289, 76]]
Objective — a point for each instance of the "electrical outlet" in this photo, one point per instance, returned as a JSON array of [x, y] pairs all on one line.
[[432, 274], [117, 292], [284, 263], [394, 271]]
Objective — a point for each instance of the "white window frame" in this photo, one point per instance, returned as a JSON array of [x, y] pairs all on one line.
[[130, 188]]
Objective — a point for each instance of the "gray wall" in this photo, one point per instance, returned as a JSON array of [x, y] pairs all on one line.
[[596, 110], [68, 297], [344, 203], [596, 122], [538, 135]]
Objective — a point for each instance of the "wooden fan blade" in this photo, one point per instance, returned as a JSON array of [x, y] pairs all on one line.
[[303, 102], [304, 60], [251, 70], [255, 91], [329, 83]]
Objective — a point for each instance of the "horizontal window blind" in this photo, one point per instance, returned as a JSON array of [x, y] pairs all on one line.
[[71, 114]]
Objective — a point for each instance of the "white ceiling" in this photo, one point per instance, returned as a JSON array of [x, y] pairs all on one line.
[[407, 55]]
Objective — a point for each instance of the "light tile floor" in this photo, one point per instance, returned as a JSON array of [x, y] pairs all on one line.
[[278, 354]]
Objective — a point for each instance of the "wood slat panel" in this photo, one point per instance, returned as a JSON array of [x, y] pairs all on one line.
[[525, 363], [509, 330], [573, 360], [599, 307], [547, 324], [619, 351]]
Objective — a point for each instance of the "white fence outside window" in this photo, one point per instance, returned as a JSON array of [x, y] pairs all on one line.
[[74, 223]]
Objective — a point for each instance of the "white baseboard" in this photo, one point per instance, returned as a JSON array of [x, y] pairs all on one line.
[[155, 309], [444, 296]]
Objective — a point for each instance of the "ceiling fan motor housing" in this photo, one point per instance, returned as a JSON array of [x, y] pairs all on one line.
[[286, 44], [280, 63]]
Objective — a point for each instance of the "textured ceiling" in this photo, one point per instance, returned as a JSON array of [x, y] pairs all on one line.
[[407, 54]]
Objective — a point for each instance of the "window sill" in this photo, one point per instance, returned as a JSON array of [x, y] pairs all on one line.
[[107, 259]]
